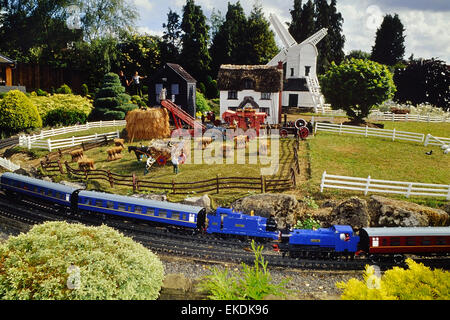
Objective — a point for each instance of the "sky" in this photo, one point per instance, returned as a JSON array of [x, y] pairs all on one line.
[[427, 22]]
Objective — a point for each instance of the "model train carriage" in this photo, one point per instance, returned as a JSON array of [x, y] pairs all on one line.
[[337, 239], [415, 240], [47, 191], [226, 221], [143, 209]]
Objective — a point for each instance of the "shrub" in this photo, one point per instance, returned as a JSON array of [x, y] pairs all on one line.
[[41, 93], [64, 89], [111, 102], [253, 283], [17, 113], [307, 223], [64, 116], [356, 86], [416, 283], [57, 260], [69, 102], [201, 102], [84, 90]]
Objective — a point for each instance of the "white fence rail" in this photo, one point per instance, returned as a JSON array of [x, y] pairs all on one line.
[[5, 163], [436, 141], [370, 132], [25, 140], [68, 142], [368, 184], [388, 116]]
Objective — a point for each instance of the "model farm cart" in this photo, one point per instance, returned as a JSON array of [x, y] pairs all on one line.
[[245, 119]]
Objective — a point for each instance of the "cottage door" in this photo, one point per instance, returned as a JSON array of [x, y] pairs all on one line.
[[293, 100]]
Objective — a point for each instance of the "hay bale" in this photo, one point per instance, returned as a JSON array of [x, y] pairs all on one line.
[[148, 124]]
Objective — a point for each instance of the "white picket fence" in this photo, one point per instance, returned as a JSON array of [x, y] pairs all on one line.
[[7, 164], [370, 132], [368, 184], [26, 140], [68, 142], [436, 141], [388, 116]]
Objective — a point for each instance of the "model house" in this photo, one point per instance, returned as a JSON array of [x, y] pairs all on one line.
[[251, 86], [179, 84]]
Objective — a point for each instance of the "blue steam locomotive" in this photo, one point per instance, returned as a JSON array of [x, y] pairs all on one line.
[[336, 240]]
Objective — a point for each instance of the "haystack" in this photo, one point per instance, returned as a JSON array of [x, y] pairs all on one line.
[[148, 124]]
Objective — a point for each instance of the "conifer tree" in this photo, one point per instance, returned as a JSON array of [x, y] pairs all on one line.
[[171, 38], [389, 45], [196, 58]]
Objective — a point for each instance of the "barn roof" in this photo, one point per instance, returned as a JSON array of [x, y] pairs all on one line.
[[6, 60], [266, 78], [183, 73]]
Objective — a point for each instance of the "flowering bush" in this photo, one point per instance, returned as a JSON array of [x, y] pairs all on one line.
[[57, 260], [416, 283]]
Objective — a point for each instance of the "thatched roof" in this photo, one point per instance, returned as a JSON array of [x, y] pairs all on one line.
[[266, 78]]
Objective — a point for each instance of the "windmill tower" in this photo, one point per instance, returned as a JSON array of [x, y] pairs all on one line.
[[301, 86]]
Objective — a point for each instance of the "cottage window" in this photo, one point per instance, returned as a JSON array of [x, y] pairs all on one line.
[[265, 95], [249, 84], [292, 72], [175, 88], [158, 88], [307, 70], [232, 95]]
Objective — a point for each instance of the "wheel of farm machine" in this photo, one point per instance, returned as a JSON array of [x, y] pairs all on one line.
[[161, 160], [283, 133], [303, 132], [300, 123]]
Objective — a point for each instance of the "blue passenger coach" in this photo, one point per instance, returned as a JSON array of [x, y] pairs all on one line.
[[48, 191], [150, 210]]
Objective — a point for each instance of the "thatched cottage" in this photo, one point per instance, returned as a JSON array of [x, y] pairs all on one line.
[[255, 86]]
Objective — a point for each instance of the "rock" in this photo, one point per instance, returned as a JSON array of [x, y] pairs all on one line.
[[73, 184], [203, 201], [352, 211], [385, 212], [285, 208], [177, 282], [157, 197]]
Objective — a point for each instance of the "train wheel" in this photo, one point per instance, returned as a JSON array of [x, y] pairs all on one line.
[[283, 133], [300, 123], [303, 132], [161, 160]]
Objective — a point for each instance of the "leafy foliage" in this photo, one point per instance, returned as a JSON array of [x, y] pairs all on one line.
[[416, 283], [108, 265], [17, 113], [111, 102], [64, 89], [389, 45], [252, 283], [424, 81], [65, 103], [201, 102], [356, 86]]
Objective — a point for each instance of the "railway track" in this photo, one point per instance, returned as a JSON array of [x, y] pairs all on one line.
[[4, 143], [182, 243]]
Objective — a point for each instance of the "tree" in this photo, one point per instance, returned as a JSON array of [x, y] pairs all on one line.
[[358, 54], [356, 86], [303, 23], [171, 38], [62, 261], [424, 81], [295, 26], [260, 39], [111, 102], [18, 113], [389, 47], [337, 39], [196, 58]]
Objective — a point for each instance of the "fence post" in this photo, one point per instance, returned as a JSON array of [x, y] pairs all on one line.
[[217, 183], [366, 130], [366, 190], [110, 178], [60, 167], [393, 134], [408, 192], [293, 179], [134, 183], [315, 127], [49, 144], [29, 142], [173, 186], [427, 140], [323, 181], [340, 128], [448, 194], [262, 184]]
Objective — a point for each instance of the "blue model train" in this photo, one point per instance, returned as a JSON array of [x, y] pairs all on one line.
[[335, 241]]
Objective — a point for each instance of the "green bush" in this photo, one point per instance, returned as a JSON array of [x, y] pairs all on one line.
[[111, 102], [416, 283], [253, 283], [64, 89], [18, 113], [64, 117], [62, 261], [69, 102], [201, 102], [41, 93]]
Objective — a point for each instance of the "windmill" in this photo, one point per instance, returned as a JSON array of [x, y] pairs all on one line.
[[302, 87]]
